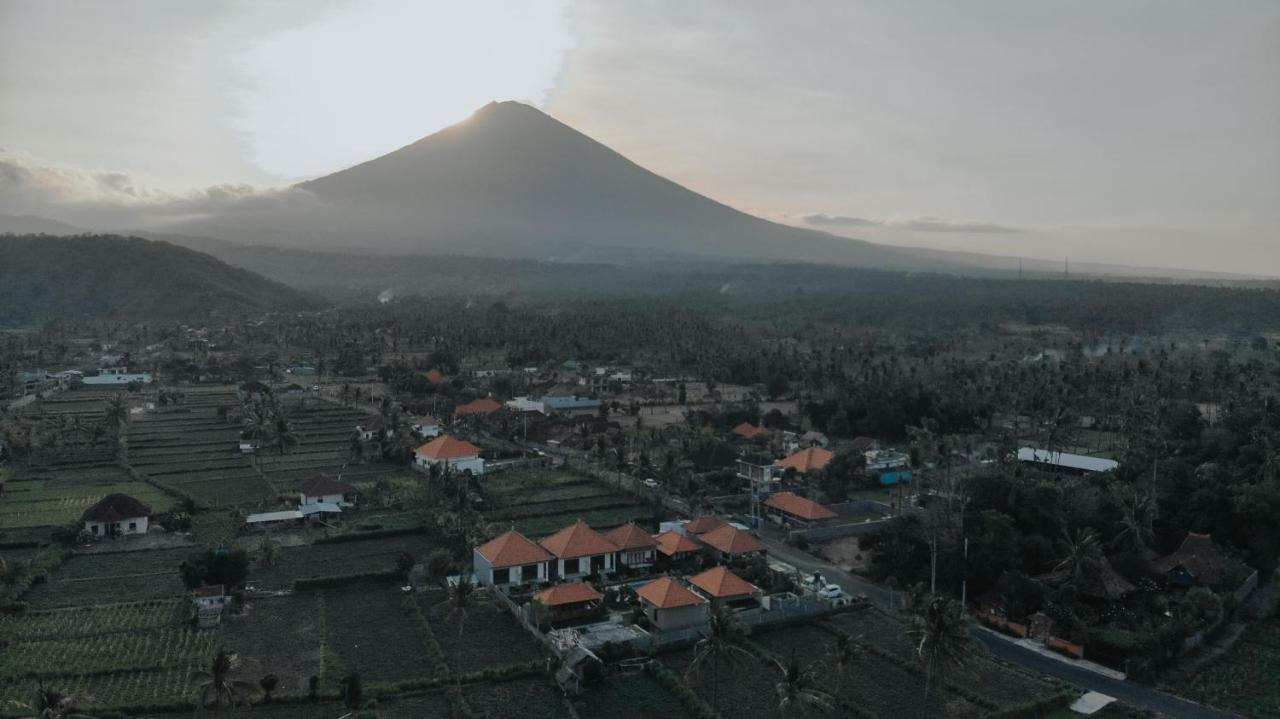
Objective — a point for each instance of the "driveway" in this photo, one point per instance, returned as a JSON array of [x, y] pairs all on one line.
[[1135, 695]]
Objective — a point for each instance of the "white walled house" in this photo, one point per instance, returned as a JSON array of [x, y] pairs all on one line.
[[450, 454], [579, 550], [319, 490], [426, 427], [670, 605], [116, 515], [510, 559], [637, 548]]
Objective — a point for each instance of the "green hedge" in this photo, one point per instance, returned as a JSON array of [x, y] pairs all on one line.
[[376, 534], [342, 580]]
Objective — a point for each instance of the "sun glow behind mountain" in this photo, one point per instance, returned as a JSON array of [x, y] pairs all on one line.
[[359, 82]]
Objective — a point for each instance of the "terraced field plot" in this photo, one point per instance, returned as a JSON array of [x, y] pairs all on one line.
[[369, 631], [1243, 679], [539, 503], [277, 635], [107, 655], [635, 695], [483, 637], [328, 559], [194, 451], [108, 577], [52, 496], [324, 432]]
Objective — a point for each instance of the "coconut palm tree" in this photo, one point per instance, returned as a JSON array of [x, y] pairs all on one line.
[[1135, 524], [1082, 557], [941, 634], [843, 653], [217, 688], [721, 644], [462, 595], [47, 703], [798, 692]]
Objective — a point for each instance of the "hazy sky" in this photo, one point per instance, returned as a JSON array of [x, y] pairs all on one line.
[[1134, 131]]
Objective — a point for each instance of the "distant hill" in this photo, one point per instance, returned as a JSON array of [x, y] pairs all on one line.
[[34, 225], [99, 276], [512, 182]]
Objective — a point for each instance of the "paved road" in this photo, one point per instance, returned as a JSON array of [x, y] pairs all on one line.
[[1135, 695]]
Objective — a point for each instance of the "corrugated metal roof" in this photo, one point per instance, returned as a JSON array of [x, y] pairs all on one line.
[[319, 507], [273, 516], [1081, 462]]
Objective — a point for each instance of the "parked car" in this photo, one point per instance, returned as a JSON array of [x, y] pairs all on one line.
[[652, 483], [832, 592]]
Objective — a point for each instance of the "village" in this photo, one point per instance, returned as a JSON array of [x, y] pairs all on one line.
[[546, 539]]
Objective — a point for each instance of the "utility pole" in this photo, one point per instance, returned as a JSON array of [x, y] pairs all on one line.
[[964, 582]]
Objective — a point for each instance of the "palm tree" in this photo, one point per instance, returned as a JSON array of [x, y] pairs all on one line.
[[282, 436], [217, 688], [117, 414], [1135, 531], [941, 634], [461, 598], [46, 703], [720, 644], [798, 692], [842, 655], [1082, 558]]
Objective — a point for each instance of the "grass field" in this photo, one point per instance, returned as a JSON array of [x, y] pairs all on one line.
[[277, 635], [1245, 678]]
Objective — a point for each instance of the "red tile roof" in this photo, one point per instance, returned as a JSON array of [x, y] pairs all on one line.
[[629, 536], [667, 593], [806, 460], [435, 376], [731, 540], [446, 447], [512, 549], [577, 540], [702, 525], [798, 506], [672, 543], [720, 583], [572, 593], [484, 405], [746, 430]]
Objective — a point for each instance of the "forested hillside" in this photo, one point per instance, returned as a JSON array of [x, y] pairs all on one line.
[[95, 276]]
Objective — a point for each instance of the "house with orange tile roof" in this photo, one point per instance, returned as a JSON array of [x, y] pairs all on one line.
[[669, 605], [435, 376], [510, 558], [636, 548], [723, 587], [426, 427], [728, 543], [579, 550], [810, 459], [567, 602], [702, 525], [484, 405], [791, 508], [676, 547], [448, 452], [749, 431]]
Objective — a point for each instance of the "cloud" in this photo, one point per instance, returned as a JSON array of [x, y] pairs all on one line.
[[918, 224], [106, 199]]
